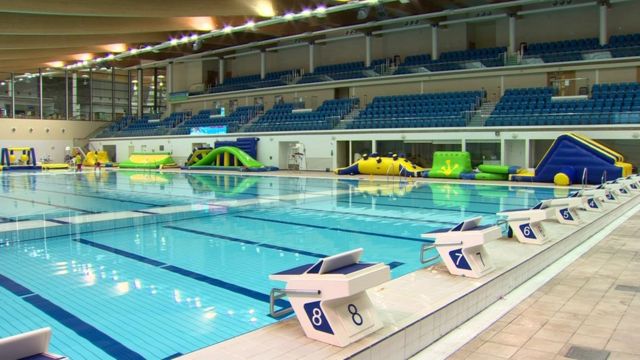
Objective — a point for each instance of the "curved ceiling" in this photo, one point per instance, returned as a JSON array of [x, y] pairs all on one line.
[[37, 33]]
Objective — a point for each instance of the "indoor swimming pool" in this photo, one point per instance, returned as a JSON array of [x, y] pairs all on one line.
[[186, 259]]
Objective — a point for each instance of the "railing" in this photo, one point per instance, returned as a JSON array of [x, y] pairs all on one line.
[[566, 118]]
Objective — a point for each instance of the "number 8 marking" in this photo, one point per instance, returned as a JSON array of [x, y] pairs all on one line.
[[316, 319], [355, 316]]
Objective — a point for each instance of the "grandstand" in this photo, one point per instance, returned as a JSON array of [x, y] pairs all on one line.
[[184, 101]]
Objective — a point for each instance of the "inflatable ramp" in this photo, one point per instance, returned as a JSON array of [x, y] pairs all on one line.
[[95, 156], [572, 156], [157, 160], [229, 158], [382, 165]]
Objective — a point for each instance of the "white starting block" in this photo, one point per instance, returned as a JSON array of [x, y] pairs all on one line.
[[591, 200], [630, 184], [330, 297], [462, 247], [527, 224], [29, 345], [615, 189]]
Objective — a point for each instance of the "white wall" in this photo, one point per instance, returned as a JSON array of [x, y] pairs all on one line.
[[47, 137], [321, 148]]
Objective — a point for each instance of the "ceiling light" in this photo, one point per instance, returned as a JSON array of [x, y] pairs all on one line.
[[305, 12], [174, 41], [250, 24], [110, 56], [321, 10], [288, 15], [227, 29], [264, 9], [194, 37], [133, 50], [184, 39]]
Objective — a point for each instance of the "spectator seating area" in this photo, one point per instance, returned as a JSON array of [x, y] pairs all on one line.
[[149, 125], [609, 104], [575, 50], [352, 70], [452, 60], [420, 110], [233, 122], [548, 52], [290, 117], [278, 78]]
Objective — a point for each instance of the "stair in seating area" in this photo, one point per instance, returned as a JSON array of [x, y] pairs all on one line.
[[482, 114], [348, 119], [245, 126]]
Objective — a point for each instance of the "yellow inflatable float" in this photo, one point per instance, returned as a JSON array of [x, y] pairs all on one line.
[[382, 165]]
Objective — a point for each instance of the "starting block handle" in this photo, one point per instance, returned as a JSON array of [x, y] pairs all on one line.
[[424, 249], [277, 294]]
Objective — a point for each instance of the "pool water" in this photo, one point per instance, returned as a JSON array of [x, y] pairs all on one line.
[[171, 286]]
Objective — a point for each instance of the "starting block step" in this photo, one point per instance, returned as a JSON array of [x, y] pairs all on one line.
[[461, 248], [330, 297]]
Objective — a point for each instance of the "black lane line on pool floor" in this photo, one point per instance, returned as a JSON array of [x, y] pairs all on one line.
[[52, 205], [256, 295], [78, 233], [101, 197], [417, 207], [380, 216], [332, 228], [85, 330], [392, 265]]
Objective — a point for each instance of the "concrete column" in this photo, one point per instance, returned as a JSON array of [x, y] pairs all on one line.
[[263, 64], [13, 95], [603, 24], [140, 95], [311, 57], [512, 34], [75, 107], [220, 70], [168, 82], [434, 42], [66, 94], [527, 153], [367, 50], [91, 94], [113, 94], [40, 99], [169, 78]]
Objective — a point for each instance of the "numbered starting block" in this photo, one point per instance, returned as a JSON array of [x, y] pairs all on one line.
[[616, 190], [330, 297], [462, 247], [590, 200], [526, 225], [630, 184]]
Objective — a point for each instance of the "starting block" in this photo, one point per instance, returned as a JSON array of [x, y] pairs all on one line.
[[527, 224], [629, 183], [462, 247], [330, 297], [615, 189], [591, 200]]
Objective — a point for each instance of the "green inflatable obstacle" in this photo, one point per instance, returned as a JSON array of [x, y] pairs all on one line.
[[450, 164], [229, 158], [142, 160]]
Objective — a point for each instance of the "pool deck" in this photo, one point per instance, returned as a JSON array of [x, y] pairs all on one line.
[[590, 308], [414, 318]]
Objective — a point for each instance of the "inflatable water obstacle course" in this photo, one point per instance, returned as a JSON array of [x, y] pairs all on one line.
[[144, 160], [224, 158], [573, 159]]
